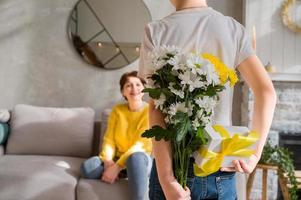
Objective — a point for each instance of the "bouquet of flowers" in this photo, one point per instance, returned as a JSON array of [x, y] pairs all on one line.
[[185, 88]]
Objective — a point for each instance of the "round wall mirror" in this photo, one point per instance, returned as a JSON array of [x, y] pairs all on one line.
[[107, 33]]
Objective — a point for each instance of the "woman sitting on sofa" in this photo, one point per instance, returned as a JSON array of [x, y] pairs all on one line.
[[123, 147]]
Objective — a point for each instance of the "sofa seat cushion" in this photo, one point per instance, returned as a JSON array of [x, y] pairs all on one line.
[[38, 177], [98, 190]]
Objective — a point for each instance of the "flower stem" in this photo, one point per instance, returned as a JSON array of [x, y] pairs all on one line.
[[181, 162]]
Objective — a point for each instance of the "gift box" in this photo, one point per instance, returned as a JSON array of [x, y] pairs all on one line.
[[225, 144]]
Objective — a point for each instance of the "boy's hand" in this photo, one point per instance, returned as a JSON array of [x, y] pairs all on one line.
[[242, 166], [174, 191]]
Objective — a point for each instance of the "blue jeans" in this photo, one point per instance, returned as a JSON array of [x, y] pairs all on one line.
[[138, 166], [219, 185]]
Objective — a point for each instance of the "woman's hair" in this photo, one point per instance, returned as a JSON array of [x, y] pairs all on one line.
[[125, 77]]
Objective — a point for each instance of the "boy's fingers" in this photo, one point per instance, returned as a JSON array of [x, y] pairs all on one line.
[[228, 169]]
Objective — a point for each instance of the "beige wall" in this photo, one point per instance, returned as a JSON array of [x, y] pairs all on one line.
[[39, 66]]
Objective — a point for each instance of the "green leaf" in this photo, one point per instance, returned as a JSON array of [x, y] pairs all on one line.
[[182, 127], [156, 78], [211, 91], [167, 93], [158, 133], [153, 93], [177, 86], [198, 138], [200, 135], [282, 158], [170, 78]]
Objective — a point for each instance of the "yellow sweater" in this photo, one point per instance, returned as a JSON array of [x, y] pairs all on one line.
[[123, 134]]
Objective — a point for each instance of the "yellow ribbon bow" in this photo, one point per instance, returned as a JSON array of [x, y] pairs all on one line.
[[230, 146]]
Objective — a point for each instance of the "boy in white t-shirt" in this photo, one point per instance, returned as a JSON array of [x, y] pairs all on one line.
[[196, 27]]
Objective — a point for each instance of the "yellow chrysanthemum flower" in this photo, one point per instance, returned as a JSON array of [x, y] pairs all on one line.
[[225, 73], [233, 77]]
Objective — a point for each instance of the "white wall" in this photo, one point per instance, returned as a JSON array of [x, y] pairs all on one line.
[[275, 42], [39, 66]]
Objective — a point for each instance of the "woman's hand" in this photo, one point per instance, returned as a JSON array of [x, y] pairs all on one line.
[[108, 163], [174, 191], [242, 166], [111, 173]]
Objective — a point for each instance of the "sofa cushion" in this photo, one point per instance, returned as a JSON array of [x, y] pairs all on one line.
[[104, 123], [97, 190], [3, 132], [38, 177], [1, 150], [51, 131]]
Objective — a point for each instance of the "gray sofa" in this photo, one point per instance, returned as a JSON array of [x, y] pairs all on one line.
[[44, 152]]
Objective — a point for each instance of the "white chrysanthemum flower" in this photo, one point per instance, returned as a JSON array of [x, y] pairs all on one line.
[[190, 109], [196, 124], [185, 78], [174, 121], [164, 111], [177, 107], [159, 102], [211, 75], [196, 84], [201, 118], [193, 60], [176, 92], [192, 80], [168, 49], [159, 64], [166, 119], [175, 73], [201, 66], [158, 57], [172, 110], [155, 63], [196, 63], [207, 103], [150, 83], [202, 70], [162, 51], [178, 62], [205, 119]]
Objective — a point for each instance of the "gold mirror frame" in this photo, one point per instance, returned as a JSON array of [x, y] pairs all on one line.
[[286, 16]]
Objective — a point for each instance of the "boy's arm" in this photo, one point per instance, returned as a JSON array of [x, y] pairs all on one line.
[[162, 152], [265, 97]]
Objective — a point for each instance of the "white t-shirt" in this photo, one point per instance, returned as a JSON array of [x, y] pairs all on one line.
[[202, 30]]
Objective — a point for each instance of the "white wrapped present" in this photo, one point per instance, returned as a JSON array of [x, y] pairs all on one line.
[[226, 143]]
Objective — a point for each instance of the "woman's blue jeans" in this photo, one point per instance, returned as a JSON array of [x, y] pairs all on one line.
[[138, 166], [219, 185]]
